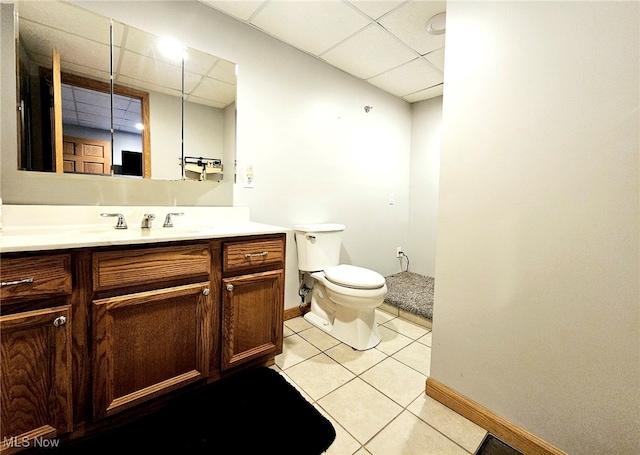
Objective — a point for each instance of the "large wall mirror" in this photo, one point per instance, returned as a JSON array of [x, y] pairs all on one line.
[[101, 97]]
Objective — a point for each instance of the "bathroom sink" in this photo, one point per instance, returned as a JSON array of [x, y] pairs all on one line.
[[109, 232]]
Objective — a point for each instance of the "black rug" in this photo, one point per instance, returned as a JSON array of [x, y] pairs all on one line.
[[492, 445], [252, 412]]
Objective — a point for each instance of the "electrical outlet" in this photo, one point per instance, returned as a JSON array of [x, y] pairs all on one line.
[[399, 252]]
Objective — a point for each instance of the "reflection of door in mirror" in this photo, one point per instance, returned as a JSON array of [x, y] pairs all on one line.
[[84, 155], [86, 115]]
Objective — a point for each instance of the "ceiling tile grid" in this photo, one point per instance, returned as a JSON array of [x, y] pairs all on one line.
[[382, 42]]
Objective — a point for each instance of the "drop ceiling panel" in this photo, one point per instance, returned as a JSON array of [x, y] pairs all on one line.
[[149, 70], [346, 34], [369, 52], [437, 58], [59, 15], [241, 9], [215, 90], [199, 62], [145, 85], [73, 49], [224, 71], [375, 9], [426, 94], [313, 26], [408, 23], [409, 78]]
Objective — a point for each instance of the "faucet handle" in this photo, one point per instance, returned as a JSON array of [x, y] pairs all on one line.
[[168, 222], [121, 223]]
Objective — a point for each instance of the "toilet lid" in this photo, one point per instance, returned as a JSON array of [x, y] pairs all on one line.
[[354, 277]]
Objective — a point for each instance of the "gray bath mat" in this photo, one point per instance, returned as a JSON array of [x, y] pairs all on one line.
[[411, 292]]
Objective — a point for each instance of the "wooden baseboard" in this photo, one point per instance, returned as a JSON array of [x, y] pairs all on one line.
[[519, 438], [294, 312]]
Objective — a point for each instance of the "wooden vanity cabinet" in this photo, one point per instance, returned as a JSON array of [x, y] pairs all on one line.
[[252, 300], [35, 349], [147, 320], [149, 337]]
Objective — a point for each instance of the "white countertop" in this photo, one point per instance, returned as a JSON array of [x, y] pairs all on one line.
[[26, 227]]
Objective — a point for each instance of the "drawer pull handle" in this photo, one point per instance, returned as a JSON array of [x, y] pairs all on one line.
[[205, 291], [13, 283], [229, 287], [59, 321], [256, 255]]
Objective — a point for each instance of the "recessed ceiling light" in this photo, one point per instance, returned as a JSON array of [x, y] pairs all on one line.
[[437, 24]]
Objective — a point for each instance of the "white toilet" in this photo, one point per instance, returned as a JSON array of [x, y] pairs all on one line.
[[343, 297]]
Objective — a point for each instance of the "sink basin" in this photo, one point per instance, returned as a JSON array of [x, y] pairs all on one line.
[[112, 233]]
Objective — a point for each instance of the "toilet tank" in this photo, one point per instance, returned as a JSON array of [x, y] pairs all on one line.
[[318, 245]]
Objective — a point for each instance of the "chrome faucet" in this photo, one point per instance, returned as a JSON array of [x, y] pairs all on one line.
[[121, 223], [146, 220], [168, 222]]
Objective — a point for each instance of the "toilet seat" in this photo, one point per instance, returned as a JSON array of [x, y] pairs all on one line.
[[354, 277]]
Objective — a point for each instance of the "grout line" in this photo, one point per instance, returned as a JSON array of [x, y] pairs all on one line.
[[358, 375]]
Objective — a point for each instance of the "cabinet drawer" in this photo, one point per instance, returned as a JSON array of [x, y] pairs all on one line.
[[35, 277], [252, 254], [117, 269]]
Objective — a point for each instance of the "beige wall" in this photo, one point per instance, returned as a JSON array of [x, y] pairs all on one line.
[[426, 132], [536, 311]]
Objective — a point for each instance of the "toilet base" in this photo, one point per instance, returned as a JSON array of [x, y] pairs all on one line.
[[357, 329]]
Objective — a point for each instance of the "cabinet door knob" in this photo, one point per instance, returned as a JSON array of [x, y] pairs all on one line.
[[229, 287], [59, 321], [205, 291]]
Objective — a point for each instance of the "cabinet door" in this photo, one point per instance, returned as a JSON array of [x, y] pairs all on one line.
[[147, 344], [35, 370], [252, 312]]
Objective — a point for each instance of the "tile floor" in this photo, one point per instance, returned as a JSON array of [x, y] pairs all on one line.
[[375, 399]]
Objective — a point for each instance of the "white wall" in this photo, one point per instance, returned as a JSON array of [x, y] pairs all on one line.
[[537, 265], [426, 131]]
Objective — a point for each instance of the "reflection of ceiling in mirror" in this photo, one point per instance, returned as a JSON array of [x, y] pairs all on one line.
[[92, 109], [138, 63]]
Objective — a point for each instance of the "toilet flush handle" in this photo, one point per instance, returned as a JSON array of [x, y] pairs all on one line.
[[311, 238]]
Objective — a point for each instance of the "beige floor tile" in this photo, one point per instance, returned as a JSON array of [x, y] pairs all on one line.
[[297, 387], [344, 443], [383, 316], [408, 435], [360, 409], [355, 361], [463, 431], [396, 380], [318, 338], [392, 341], [426, 340], [406, 328], [417, 356], [362, 451], [298, 324], [295, 349], [319, 375]]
